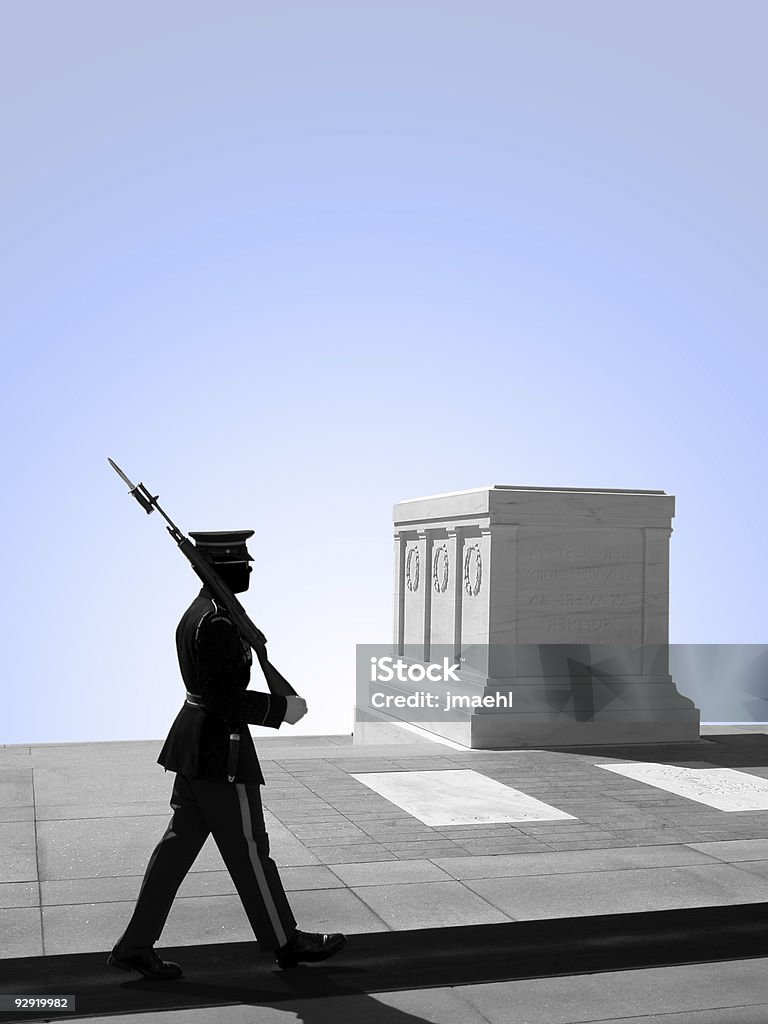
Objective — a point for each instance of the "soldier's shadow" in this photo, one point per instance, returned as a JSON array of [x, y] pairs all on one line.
[[315, 997]]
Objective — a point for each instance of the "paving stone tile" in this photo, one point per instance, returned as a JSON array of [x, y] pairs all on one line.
[[16, 787], [364, 807], [360, 1009], [630, 890], [405, 831], [428, 905], [63, 892], [567, 830], [390, 872], [607, 842], [61, 812], [692, 819], [197, 883], [313, 830], [139, 754], [720, 834], [481, 847], [426, 850], [547, 863], [321, 842], [285, 848], [81, 784], [289, 819], [655, 995], [758, 868], [335, 910], [480, 833], [21, 932], [19, 894], [293, 814], [92, 927], [350, 854], [755, 1014], [12, 754], [122, 846], [295, 795], [587, 805], [330, 775], [399, 825], [314, 819], [332, 794], [423, 764], [18, 860], [735, 850], [373, 814], [103, 846], [315, 876], [502, 828], [17, 814], [668, 831], [391, 837], [404, 823], [434, 1005], [655, 826]]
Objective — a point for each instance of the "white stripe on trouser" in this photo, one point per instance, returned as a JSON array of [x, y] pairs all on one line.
[[258, 870]]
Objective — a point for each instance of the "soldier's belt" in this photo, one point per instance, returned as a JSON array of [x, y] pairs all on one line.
[[194, 700]]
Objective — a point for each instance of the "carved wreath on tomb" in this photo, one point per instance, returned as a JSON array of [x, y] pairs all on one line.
[[412, 569], [440, 569], [473, 570]]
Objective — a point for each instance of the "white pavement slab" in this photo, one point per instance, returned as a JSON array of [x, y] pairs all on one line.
[[722, 788], [727, 992], [457, 797]]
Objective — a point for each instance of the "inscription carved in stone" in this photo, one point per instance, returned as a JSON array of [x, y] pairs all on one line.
[[573, 587], [723, 788]]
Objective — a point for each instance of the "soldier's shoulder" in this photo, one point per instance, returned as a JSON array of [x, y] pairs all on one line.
[[203, 611], [210, 617]]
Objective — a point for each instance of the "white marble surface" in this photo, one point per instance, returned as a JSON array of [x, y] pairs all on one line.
[[522, 504], [722, 788], [457, 797], [552, 593]]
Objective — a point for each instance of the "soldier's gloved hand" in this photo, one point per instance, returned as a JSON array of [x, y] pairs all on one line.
[[297, 708]]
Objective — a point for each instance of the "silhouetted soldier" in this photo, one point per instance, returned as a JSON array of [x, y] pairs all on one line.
[[218, 780]]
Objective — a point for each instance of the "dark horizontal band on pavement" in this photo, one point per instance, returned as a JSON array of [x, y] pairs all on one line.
[[222, 974]]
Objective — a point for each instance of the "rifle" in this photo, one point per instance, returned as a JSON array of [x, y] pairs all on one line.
[[216, 585]]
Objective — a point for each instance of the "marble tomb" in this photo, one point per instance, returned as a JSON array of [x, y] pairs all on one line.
[[557, 598]]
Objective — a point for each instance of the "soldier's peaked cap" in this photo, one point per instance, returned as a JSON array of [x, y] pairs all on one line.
[[223, 545]]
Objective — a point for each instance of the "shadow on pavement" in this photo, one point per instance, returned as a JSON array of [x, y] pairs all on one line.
[[720, 750], [234, 973]]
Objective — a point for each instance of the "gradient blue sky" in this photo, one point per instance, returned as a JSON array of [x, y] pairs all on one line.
[[289, 263]]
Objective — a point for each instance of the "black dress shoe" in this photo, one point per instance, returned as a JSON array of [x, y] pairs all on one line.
[[146, 962], [309, 947]]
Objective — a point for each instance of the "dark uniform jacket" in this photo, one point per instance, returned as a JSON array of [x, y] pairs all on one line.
[[215, 664]]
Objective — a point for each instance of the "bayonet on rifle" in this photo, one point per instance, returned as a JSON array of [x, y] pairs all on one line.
[[215, 584]]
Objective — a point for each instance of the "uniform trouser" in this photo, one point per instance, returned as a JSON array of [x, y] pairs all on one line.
[[232, 813]]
